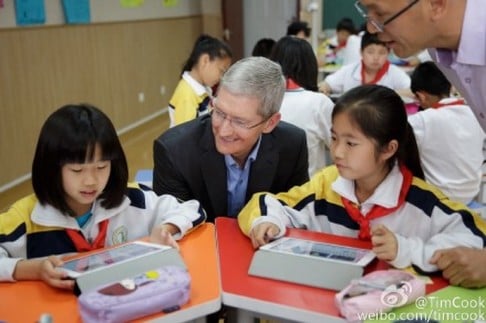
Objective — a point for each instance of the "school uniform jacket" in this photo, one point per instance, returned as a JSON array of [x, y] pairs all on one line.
[[450, 142], [29, 229], [312, 112], [188, 166], [190, 99], [427, 220], [349, 77]]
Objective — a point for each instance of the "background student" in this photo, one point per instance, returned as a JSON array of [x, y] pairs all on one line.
[[374, 68], [335, 46], [374, 192], [302, 104], [449, 138], [263, 47], [209, 59], [456, 36], [299, 29], [81, 200], [241, 148]]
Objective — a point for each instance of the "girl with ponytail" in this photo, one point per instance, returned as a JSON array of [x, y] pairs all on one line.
[[374, 191]]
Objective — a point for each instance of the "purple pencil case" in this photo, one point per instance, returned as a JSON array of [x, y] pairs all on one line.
[[160, 290]]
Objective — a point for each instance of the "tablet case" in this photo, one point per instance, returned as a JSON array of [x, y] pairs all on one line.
[[378, 292], [160, 290]]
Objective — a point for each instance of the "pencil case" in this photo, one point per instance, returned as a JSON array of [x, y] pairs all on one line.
[[160, 290], [378, 292]]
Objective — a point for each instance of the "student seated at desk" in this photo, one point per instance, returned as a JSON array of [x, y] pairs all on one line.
[[302, 104], [209, 59], [374, 68], [449, 137], [374, 192], [81, 201], [332, 50]]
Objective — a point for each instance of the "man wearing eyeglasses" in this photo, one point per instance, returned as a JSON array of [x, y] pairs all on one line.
[[455, 33], [240, 148]]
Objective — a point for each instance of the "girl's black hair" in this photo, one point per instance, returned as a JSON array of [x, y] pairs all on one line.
[[263, 47], [206, 44], [297, 60], [380, 114], [70, 135]]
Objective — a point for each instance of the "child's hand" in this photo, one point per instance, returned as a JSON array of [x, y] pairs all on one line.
[[55, 277], [263, 233], [384, 242], [162, 234], [325, 88]]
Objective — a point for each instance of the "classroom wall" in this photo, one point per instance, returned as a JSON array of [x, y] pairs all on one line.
[[127, 67], [335, 10]]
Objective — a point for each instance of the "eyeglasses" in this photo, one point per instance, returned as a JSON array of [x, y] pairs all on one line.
[[218, 117], [380, 26]]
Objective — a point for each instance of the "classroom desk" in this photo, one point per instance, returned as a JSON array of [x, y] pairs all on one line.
[[325, 70], [254, 296], [26, 301]]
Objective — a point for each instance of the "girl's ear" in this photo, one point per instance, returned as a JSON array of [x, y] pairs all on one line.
[[203, 59], [389, 150]]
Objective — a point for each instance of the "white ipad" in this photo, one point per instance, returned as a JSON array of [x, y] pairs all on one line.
[[107, 257], [321, 250]]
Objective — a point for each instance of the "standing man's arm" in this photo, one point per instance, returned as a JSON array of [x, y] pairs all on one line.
[[167, 178], [462, 266]]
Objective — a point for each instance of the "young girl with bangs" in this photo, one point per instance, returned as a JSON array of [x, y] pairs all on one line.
[[82, 202]]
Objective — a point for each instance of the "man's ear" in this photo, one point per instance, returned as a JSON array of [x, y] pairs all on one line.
[[438, 8], [272, 122]]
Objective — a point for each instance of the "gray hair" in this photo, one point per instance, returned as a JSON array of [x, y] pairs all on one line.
[[257, 77]]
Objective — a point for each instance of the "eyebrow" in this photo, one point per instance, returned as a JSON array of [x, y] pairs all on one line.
[[239, 119], [371, 6]]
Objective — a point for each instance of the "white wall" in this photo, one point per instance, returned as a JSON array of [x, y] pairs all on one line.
[[266, 19]]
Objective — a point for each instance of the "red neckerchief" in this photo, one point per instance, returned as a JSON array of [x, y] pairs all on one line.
[[377, 211], [82, 244], [291, 85], [341, 45], [382, 71], [455, 102]]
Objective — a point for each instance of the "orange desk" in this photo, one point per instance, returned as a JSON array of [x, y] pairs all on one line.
[[261, 296], [24, 301]]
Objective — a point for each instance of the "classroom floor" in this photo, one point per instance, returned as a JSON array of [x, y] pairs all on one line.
[[137, 144]]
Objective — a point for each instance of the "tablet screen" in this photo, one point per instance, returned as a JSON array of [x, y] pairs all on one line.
[[109, 257], [318, 249]]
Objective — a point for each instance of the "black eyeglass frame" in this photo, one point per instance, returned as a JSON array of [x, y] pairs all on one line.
[[239, 126], [380, 27]]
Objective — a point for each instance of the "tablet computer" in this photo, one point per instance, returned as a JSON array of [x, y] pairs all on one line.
[[108, 257], [321, 250]]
